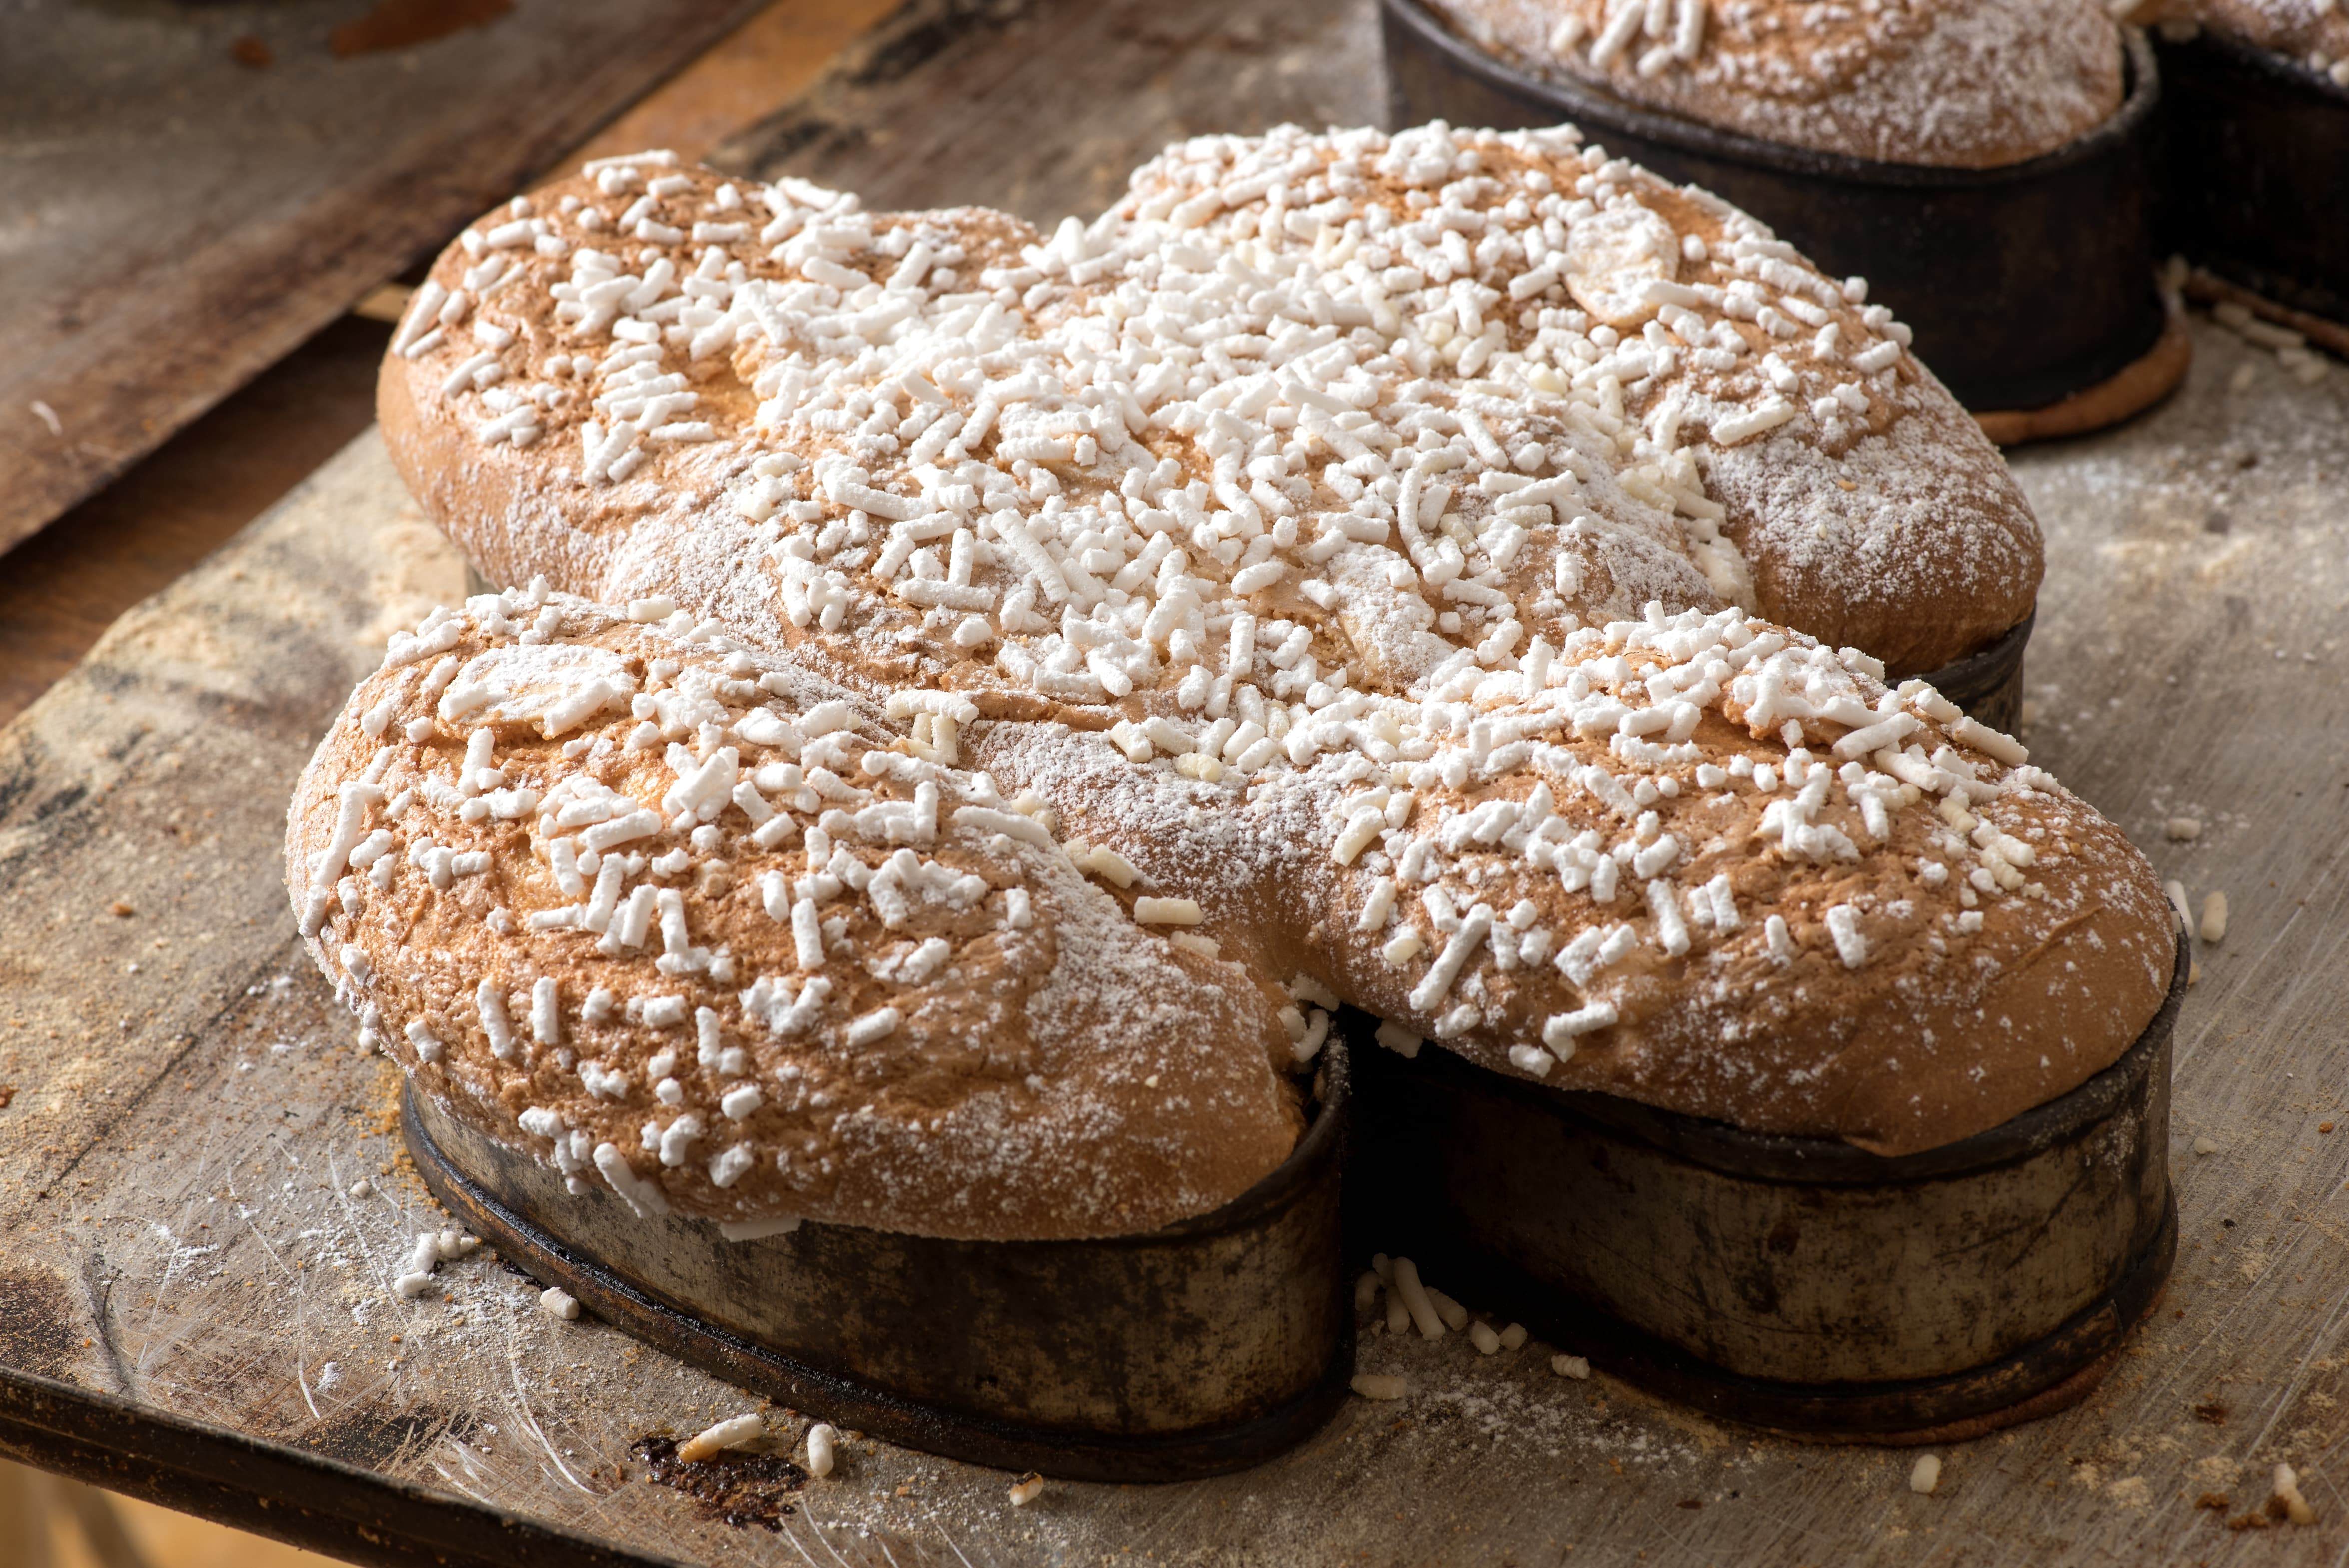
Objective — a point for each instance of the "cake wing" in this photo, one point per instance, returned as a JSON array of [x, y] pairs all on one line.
[[633, 946]]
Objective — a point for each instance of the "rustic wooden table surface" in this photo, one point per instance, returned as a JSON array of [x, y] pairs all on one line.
[[194, 1304], [187, 191], [62, 587]]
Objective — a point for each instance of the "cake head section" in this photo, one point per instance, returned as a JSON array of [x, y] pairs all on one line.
[[1427, 395]]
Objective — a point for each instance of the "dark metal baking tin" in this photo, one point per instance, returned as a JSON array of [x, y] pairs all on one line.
[[1987, 682], [1792, 1283], [2023, 284], [2255, 157], [1203, 1347]]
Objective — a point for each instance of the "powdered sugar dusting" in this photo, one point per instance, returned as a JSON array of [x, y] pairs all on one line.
[[1416, 727], [726, 939]]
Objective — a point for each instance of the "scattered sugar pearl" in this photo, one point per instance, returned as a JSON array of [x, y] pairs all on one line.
[[1522, 204], [731, 1433], [2213, 926], [1925, 1474], [2284, 1491]]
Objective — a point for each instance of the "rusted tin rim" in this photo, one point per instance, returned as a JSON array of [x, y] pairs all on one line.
[[2046, 1376], [2253, 143], [1785, 1282], [2024, 284], [1775, 1157], [1284, 1227]]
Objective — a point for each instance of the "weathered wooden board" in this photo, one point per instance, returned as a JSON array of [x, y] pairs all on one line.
[[178, 1240], [174, 216], [1043, 107], [181, 1260], [62, 588]]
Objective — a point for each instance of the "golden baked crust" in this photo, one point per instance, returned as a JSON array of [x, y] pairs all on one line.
[[1692, 858], [2001, 942], [1261, 546], [1047, 1071], [1709, 418], [1965, 84]]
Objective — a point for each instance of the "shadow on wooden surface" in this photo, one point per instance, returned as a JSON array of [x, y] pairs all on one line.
[[47, 1522]]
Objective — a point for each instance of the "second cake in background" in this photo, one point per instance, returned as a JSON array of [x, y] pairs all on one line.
[[1985, 165], [1966, 84]]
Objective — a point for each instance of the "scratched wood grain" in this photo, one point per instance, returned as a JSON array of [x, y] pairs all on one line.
[[1043, 107], [174, 218], [177, 1230]]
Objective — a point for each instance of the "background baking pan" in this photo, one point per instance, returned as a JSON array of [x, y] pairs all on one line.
[[2255, 154], [2030, 288], [1200, 1349], [1792, 1283]]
